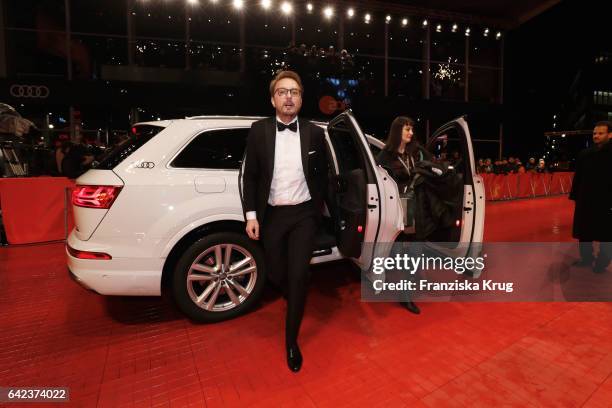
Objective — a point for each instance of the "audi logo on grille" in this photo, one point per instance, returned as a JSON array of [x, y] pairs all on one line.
[[145, 165], [29, 91]]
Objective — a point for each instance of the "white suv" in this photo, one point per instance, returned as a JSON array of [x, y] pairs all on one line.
[[163, 210]]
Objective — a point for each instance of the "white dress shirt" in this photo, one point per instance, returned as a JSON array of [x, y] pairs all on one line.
[[289, 185]]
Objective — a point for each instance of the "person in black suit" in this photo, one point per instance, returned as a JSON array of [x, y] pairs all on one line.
[[285, 180], [592, 193]]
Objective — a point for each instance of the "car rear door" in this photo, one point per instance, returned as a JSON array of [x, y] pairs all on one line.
[[367, 200], [452, 144]]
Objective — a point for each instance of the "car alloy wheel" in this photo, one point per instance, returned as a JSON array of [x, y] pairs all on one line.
[[222, 277]]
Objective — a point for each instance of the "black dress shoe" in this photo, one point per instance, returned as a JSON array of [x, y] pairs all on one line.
[[294, 358], [411, 307], [582, 263]]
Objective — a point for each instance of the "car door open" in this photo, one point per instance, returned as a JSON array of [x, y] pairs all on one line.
[[364, 198], [460, 233]]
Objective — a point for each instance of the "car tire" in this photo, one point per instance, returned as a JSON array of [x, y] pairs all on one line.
[[210, 287]]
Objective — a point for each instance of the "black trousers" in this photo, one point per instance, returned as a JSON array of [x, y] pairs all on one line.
[[287, 235], [605, 252]]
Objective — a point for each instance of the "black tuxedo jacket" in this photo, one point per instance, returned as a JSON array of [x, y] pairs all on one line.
[[259, 165]]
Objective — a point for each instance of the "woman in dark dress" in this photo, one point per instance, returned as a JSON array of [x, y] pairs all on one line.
[[399, 156], [401, 152]]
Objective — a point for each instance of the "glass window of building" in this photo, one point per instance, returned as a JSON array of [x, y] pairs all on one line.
[[406, 79], [160, 53], [48, 15], [91, 52], [101, 16], [370, 73], [46, 53], [267, 27], [215, 57], [447, 43], [447, 81], [484, 85], [365, 36], [160, 19], [406, 40], [485, 47], [216, 22], [317, 27]]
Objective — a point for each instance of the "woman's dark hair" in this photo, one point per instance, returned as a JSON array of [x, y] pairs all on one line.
[[395, 136]]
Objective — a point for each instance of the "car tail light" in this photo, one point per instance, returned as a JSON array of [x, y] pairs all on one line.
[[101, 256], [95, 196]]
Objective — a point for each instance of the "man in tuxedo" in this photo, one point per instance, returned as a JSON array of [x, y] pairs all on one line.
[[285, 177]]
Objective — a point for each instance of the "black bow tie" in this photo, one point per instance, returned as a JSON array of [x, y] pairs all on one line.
[[292, 126]]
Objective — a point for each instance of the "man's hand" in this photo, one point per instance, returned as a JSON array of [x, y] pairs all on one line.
[[252, 229]]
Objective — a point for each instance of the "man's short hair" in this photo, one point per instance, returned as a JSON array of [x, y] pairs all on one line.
[[605, 123], [285, 74]]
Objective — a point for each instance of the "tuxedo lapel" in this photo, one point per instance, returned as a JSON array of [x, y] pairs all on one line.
[[304, 144], [270, 138]]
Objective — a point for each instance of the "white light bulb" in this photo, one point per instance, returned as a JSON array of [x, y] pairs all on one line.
[[328, 12], [405, 22], [350, 12], [266, 4], [238, 4], [286, 7]]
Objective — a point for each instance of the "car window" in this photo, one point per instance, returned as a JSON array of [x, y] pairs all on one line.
[[141, 134], [214, 149], [374, 149], [448, 148], [347, 152]]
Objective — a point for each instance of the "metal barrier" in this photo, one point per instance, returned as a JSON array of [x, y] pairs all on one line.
[[528, 185]]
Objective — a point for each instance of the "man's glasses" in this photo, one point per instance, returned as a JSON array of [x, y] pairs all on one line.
[[285, 92]]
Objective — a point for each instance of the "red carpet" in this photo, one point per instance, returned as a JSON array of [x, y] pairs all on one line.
[[140, 352]]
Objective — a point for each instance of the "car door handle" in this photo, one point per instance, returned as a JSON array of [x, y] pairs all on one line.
[[370, 206]]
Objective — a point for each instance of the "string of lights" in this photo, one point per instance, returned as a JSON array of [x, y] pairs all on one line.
[[328, 12]]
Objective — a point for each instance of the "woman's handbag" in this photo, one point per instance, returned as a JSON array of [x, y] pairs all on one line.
[[408, 201]]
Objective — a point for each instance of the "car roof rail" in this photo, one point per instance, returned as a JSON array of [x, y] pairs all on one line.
[[224, 117], [199, 117]]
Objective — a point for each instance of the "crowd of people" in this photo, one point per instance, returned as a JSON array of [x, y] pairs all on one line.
[[320, 59], [73, 158], [511, 165]]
